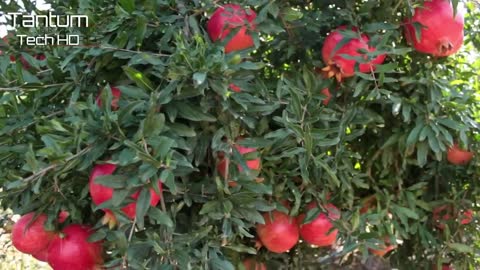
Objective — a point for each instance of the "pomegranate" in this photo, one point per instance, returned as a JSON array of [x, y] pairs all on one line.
[[62, 216], [441, 33], [457, 156], [252, 164], [115, 98], [252, 264], [227, 18], [72, 251], [466, 217], [101, 193], [326, 92], [340, 67], [278, 234], [442, 214], [42, 255], [29, 235], [235, 88], [317, 231]]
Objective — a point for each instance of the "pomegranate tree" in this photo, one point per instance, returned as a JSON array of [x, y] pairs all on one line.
[[279, 233], [101, 193], [319, 231], [71, 250], [29, 235], [229, 18], [441, 33], [341, 67]]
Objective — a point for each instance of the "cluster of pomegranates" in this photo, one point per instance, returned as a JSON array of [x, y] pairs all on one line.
[[441, 35], [68, 249], [282, 232]]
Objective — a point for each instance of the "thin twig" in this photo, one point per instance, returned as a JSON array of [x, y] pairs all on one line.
[[130, 235]]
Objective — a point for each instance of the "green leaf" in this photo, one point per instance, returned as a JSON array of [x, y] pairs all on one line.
[[219, 264], [405, 211], [113, 181], [422, 153], [242, 249], [209, 207], [127, 5], [143, 203], [194, 113], [154, 123], [160, 217], [141, 29], [139, 78], [290, 14], [462, 248]]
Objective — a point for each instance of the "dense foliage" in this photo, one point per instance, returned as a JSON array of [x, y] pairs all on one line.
[[377, 150]]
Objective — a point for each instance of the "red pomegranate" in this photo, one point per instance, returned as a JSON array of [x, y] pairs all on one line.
[[279, 233], [227, 18], [72, 251], [62, 216], [340, 67], [42, 255], [235, 88], [441, 33], [326, 92], [457, 156], [252, 264], [442, 214], [466, 217], [116, 93], [29, 235], [252, 164], [317, 231], [101, 193]]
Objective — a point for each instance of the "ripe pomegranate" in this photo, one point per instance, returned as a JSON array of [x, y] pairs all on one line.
[[227, 18], [340, 67], [101, 193], [62, 216], [72, 251], [42, 255], [235, 88], [278, 234], [466, 217], [252, 264], [116, 93], [457, 156], [29, 235], [317, 231], [252, 164], [441, 33], [326, 92]]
